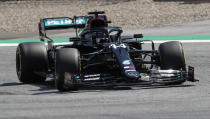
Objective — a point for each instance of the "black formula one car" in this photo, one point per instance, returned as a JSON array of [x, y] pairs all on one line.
[[99, 56]]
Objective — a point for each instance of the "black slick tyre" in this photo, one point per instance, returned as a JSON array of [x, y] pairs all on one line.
[[31, 57], [67, 65], [172, 57]]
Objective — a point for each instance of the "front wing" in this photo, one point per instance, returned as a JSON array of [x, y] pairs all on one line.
[[162, 77]]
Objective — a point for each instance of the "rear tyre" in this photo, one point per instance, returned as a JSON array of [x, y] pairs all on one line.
[[67, 66], [172, 57], [30, 58]]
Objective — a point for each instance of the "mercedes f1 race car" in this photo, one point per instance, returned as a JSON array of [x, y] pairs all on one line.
[[99, 55]]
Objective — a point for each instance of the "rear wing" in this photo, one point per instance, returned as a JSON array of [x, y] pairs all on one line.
[[60, 23]]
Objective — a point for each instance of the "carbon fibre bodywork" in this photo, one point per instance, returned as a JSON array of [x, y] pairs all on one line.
[[106, 57]]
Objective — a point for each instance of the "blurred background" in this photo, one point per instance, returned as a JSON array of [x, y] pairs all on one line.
[[22, 16]]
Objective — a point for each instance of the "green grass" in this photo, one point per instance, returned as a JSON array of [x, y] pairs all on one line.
[[155, 38]]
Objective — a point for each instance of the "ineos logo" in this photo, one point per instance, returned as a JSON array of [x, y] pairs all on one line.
[[117, 46]]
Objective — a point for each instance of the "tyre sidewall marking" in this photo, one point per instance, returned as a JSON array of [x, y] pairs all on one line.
[[20, 60], [183, 53]]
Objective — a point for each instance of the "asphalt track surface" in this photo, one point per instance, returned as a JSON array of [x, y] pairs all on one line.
[[43, 101]]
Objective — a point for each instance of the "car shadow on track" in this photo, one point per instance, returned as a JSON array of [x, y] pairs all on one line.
[[11, 84], [49, 88]]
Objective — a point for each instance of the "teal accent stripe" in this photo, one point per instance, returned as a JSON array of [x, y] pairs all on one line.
[[155, 38]]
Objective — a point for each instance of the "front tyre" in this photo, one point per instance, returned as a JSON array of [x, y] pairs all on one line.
[[67, 66], [172, 57]]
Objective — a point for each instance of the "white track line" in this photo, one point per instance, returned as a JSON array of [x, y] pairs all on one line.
[[8, 44], [183, 41]]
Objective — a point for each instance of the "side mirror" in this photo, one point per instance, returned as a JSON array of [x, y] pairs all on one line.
[[138, 36]]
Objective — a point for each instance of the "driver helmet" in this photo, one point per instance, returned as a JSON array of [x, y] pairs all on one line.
[[97, 22]]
